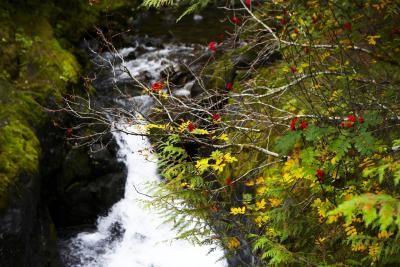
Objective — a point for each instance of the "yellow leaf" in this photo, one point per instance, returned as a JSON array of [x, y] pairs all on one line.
[[228, 158], [260, 205], [200, 131], [372, 39], [249, 183], [259, 180], [223, 137], [183, 126], [233, 243], [202, 165], [275, 202], [260, 190], [156, 126], [287, 178], [260, 220], [219, 168], [384, 234], [236, 211]]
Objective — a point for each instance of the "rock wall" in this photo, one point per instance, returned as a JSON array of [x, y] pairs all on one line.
[[39, 182]]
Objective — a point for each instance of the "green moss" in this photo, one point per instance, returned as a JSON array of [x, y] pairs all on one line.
[[36, 64], [19, 152], [47, 68]]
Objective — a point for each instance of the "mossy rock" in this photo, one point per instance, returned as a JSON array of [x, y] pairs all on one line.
[[19, 153], [46, 67]]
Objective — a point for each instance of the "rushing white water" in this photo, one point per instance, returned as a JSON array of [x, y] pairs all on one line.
[[130, 235], [141, 238]]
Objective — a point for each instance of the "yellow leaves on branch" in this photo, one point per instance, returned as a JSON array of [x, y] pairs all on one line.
[[233, 243], [238, 210], [261, 220], [183, 126], [219, 160], [200, 131], [157, 126], [260, 205], [258, 181], [374, 250], [350, 230], [372, 39], [358, 247], [202, 165], [292, 171], [223, 137], [384, 234], [275, 202]]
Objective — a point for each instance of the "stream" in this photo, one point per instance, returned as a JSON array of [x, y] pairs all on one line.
[[131, 235]]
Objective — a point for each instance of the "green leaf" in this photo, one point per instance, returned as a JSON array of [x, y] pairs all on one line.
[[340, 146], [386, 216], [308, 156], [287, 142], [364, 143]]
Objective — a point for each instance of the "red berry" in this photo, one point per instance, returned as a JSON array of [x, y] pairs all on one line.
[[191, 126], [236, 20], [248, 3], [229, 86], [342, 124], [293, 124], [303, 125], [293, 69], [352, 118], [69, 132], [216, 117], [320, 175], [157, 87], [296, 31], [347, 26], [212, 46], [349, 124], [361, 119]]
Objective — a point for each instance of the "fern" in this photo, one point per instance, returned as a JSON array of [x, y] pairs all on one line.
[[158, 3], [192, 5], [379, 211]]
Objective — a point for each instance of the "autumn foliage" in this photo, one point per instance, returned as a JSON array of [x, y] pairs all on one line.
[[303, 165]]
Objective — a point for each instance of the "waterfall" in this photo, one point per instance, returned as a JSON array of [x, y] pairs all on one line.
[[131, 235]]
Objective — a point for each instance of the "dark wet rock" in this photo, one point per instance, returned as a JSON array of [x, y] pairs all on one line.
[[243, 256], [116, 231], [88, 184], [27, 233], [130, 56]]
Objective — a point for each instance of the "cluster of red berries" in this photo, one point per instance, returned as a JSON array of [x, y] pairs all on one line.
[[191, 127], [347, 26], [157, 86], [216, 117], [320, 175], [229, 86], [69, 132], [212, 46], [295, 124], [351, 120], [236, 20]]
